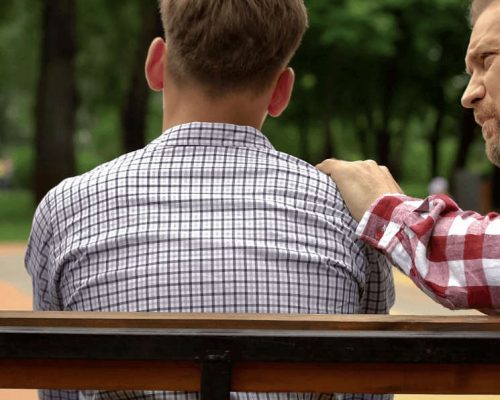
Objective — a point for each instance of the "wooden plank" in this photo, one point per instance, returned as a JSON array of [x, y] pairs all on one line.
[[251, 345], [103, 375], [250, 321], [370, 378], [254, 377], [425, 340]]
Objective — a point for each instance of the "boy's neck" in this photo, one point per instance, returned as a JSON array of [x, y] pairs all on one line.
[[181, 107]]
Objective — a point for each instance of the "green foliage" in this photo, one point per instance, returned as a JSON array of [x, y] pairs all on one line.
[[16, 213], [364, 24], [285, 138], [107, 36], [367, 71], [155, 117], [23, 160], [19, 49], [378, 78], [15, 231]]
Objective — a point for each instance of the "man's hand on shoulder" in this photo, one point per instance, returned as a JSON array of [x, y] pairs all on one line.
[[360, 183]]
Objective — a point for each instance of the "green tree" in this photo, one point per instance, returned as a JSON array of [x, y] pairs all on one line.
[[375, 79], [56, 97], [372, 73], [135, 107]]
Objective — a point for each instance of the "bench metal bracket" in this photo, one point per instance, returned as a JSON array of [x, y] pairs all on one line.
[[216, 376]]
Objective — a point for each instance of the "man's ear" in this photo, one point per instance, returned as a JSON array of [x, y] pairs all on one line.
[[155, 64], [282, 93]]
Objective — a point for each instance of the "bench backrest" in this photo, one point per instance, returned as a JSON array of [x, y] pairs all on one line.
[[218, 353]]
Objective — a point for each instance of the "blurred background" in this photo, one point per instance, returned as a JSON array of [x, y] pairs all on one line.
[[379, 79], [376, 79]]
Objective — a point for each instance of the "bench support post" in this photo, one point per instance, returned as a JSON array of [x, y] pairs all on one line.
[[216, 376]]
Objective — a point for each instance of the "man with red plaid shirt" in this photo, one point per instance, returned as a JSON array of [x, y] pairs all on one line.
[[452, 255]]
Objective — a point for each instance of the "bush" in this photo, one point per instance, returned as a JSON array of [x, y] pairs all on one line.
[[16, 213], [24, 160]]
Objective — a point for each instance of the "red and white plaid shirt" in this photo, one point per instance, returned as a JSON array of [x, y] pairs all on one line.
[[452, 255]]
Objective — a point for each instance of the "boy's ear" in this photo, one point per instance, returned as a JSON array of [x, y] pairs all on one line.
[[155, 64], [282, 93]]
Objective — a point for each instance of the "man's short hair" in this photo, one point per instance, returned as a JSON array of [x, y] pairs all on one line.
[[476, 9], [227, 45]]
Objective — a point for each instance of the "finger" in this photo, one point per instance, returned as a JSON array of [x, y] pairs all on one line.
[[327, 165], [327, 161]]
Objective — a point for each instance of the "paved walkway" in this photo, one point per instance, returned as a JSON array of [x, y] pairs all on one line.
[[15, 285], [15, 294]]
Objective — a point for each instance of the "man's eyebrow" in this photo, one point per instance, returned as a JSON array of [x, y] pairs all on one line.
[[467, 62], [471, 57], [489, 46], [467, 69]]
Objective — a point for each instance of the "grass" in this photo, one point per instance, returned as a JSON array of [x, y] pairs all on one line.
[[16, 214]]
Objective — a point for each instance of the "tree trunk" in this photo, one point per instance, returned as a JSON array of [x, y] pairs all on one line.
[[436, 135], [398, 148], [383, 136], [361, 134], [134, 109], [328, 148], [467, 128], [56, 97], [366, 130], [304, 139], [391, 81], [495, 189]]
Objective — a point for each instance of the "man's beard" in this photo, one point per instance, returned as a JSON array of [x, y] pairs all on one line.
[[493, 149], [493, 145]]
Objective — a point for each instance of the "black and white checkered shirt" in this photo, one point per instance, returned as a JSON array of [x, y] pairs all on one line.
[[206, 218]]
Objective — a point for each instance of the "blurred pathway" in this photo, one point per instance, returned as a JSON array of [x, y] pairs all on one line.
[[15, 294]]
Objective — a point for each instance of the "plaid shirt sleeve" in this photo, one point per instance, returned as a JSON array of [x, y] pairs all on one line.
[[450, 254], [39, 263], [39, 259]]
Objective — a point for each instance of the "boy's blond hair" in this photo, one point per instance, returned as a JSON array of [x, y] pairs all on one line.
[[227, 45]]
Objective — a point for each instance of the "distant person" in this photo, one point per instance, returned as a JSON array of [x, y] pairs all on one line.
[[452, 255], [209, 217], [438, 185], [6, 171]]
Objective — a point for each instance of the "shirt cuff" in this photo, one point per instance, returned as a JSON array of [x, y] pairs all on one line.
[[382, 222]]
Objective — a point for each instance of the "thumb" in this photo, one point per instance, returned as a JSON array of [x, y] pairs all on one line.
[[328, 166]]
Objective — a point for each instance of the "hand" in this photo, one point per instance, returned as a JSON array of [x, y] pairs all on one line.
[[360, 183]]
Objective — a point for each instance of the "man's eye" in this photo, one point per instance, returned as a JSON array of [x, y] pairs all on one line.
[[488, 59]]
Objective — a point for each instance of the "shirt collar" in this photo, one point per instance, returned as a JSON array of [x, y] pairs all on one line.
[[214, 135]]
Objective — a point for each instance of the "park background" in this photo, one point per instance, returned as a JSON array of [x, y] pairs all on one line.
[[379, 79]]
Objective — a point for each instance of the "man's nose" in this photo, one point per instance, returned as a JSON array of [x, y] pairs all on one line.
[[474, 92]]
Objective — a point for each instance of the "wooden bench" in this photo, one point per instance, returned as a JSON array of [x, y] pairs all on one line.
[[218, 353]]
